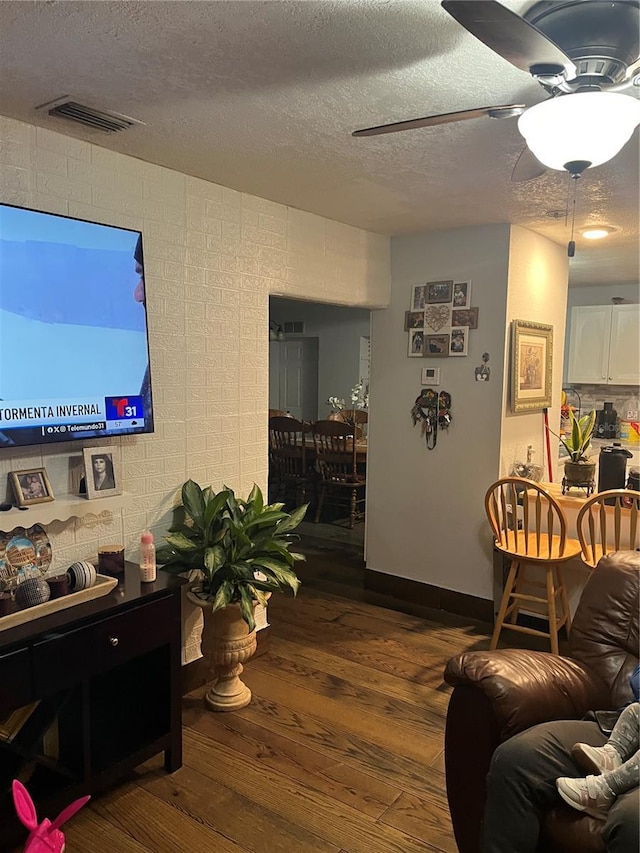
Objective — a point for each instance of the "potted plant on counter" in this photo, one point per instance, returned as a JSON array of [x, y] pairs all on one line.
[[240, 551], [579, 471]]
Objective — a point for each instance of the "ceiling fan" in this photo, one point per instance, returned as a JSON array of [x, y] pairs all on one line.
[[584, 53]]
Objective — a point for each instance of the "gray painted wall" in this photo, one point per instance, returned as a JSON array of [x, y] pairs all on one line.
[[425, 514], [425, 508]]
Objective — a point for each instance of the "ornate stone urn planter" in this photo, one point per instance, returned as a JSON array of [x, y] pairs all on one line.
[[239, 550], [233, 645]]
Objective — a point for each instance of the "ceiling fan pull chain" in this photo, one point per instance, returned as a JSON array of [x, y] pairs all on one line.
[[571, 248], [566, 211]]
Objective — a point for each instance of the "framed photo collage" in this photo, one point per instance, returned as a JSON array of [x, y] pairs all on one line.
[[439, 319]]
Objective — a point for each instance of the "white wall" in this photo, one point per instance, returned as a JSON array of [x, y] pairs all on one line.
[[425, 515], [538, 273], [213, 256], [338, 329]]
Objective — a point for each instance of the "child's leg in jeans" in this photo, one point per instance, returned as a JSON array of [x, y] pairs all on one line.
[[625, 777], [626, 732]]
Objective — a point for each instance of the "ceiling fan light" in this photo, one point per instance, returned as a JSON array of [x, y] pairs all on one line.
[[596, 233], [586, 126]]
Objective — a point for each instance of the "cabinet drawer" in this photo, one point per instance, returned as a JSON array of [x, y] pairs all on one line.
[[62, 660], [15, 680], [117, 640]]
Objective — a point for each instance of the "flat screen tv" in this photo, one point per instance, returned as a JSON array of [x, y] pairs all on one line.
[[74, 353]]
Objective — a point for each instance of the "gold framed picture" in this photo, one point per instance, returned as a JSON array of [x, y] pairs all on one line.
[[531, 365], [31, 486]]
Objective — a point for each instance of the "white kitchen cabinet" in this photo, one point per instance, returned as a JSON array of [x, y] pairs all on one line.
[[604, 344], [624, 349]]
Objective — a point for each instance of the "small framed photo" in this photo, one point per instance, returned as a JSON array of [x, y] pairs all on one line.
[[462, 294], [459, 340], [31, 486], [439, 291], [430, 375], [465, 317], [531, 366], [102, 473], [413, 320], [418, 297], [416, 343], [436, 346]]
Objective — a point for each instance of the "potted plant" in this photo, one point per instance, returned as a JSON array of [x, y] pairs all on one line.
[[578, 469], [240, 552]]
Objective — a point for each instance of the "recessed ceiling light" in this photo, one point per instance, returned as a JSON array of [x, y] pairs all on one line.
[[596, 233]]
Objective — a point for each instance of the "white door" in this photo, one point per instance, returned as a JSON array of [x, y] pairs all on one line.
[[624, 354], [589, 344], [294, 382]]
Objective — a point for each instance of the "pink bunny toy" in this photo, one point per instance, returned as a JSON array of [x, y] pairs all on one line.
[[46, 837]]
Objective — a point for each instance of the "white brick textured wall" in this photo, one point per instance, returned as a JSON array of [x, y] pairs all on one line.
[[212, 257]]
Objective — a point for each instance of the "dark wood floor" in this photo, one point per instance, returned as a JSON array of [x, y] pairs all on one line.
[[340, 751]]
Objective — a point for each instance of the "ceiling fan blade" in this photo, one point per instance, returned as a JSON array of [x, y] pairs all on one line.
[[527, 167], [509, 35], [503, 111]]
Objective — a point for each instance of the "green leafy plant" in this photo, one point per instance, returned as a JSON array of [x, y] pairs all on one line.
[[240, 548], [578, 439]]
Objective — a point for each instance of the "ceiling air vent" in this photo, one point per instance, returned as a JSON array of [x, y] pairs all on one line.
[[107, 122], [293, 327]]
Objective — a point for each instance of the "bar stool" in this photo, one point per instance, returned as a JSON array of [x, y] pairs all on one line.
[[608, 522], [530, 527]]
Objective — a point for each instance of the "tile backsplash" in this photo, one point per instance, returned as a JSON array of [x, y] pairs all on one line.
[[623, 397]]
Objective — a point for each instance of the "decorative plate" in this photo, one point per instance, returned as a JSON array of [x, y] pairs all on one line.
[[24, 553]]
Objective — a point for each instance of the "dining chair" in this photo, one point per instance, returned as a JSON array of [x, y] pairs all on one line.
[[608, 522], [290, 475], [337, 465], [530, 528], [279, 413]]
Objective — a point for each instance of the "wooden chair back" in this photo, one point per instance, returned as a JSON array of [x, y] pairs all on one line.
[[526, 520], [356, 416], [279, 413], [608, 522], [287, 453], [335, 446]]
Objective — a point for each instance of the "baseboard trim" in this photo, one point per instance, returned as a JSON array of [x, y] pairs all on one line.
[[429, 595]]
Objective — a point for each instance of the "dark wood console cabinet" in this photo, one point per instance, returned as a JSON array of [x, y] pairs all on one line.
[[108, 677]]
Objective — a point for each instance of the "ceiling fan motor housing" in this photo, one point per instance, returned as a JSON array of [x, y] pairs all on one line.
[[600, 36]]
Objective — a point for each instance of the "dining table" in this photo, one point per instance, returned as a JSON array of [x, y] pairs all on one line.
[[361, 449]]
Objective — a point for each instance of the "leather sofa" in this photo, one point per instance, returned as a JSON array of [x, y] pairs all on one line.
[[497, 694]]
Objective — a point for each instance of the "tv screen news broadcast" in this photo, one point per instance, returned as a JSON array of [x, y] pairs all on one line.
[[74, 354]]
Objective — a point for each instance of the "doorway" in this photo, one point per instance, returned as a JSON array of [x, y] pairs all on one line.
[[320, 351]]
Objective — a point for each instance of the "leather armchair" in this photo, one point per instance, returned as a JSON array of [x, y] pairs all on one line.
[[497, 694]]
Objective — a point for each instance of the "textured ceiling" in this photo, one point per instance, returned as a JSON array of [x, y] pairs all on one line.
[[263, 96]]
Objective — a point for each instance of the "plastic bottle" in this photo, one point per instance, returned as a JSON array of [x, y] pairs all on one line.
[[147, 558]]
